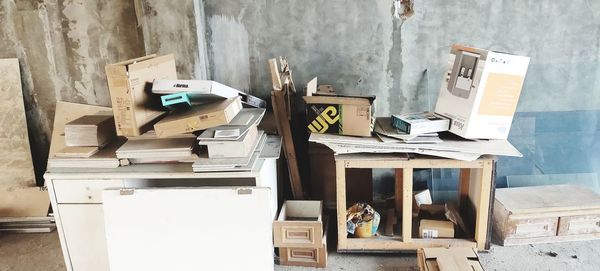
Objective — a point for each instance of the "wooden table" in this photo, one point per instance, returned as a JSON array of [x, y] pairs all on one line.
[[476, 192]]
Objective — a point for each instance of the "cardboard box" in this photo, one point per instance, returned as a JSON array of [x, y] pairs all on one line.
[[130, 83], [436, 229], [198, 117], [338, 114], [307, 257], [241, 147], [420, 123], [448, 258], [204, 90], [480, 92], [299, 224]]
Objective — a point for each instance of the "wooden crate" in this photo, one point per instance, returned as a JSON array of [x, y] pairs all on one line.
[[475, 194], [308, 257], [541, 214], [299, 225], [448, 259]]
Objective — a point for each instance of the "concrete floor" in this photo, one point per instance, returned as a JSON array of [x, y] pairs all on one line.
[[27, 252]]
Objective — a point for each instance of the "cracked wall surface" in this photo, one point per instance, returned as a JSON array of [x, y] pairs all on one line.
[[359, 47], [62, 47]]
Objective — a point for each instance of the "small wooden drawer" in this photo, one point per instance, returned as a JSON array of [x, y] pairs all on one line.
[[579, 224], [308, 257], [526, 228], [82, 191], [299, 225]]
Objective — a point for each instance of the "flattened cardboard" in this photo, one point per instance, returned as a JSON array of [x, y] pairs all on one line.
[[448, 259], [198, 117], [129, 82]]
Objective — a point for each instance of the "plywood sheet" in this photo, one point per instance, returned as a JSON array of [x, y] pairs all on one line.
[[547, 198], [189, 229], [19, 197]]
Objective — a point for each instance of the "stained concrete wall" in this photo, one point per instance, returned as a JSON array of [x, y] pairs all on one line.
[[357, 46], [62, 48], [360, 48]]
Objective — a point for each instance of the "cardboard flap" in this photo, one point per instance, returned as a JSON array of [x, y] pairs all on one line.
[[311, 87], [337, 100], [153, 61], [131, 61], [453, 259]]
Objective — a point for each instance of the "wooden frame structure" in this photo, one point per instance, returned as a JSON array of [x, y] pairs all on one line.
[[476, 193]]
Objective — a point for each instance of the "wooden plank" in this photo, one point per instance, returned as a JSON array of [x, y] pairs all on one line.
[[463, 187], [480, 184], [547, 198], [19, 195], [288, 144], [399, 188], [415, 163], [390, 221], [340, 181], [275, 74], [550, 239], [396, 244], [407, 200]]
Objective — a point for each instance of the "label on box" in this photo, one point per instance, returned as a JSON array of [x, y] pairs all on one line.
[[323, 118], [427, 233]]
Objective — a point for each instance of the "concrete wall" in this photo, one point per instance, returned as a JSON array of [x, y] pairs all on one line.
[[360, 47], [62, 48]]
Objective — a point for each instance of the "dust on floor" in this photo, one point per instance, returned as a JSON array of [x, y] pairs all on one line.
[[29, 252]]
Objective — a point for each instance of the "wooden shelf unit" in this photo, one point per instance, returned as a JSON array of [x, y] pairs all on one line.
[[476, 193]]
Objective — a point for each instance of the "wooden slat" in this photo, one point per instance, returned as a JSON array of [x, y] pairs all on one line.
[[399, 188], [390, 221], [283, 126], [395, 244], [415, 163], [275, 76], [463, 187], [481, 196], [407, 200], [340, 181]]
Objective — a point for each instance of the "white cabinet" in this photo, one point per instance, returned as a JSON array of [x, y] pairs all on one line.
[[77, 200], [83, 230]]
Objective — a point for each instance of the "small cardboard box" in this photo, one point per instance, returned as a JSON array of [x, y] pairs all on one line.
[[241, 147], [436, 229], [204, 90], [480, 92], [90, 131], [299, 224], [420, 123], [307, 257], [130, 84], [198, 117], [444, 258], [338, 114]]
